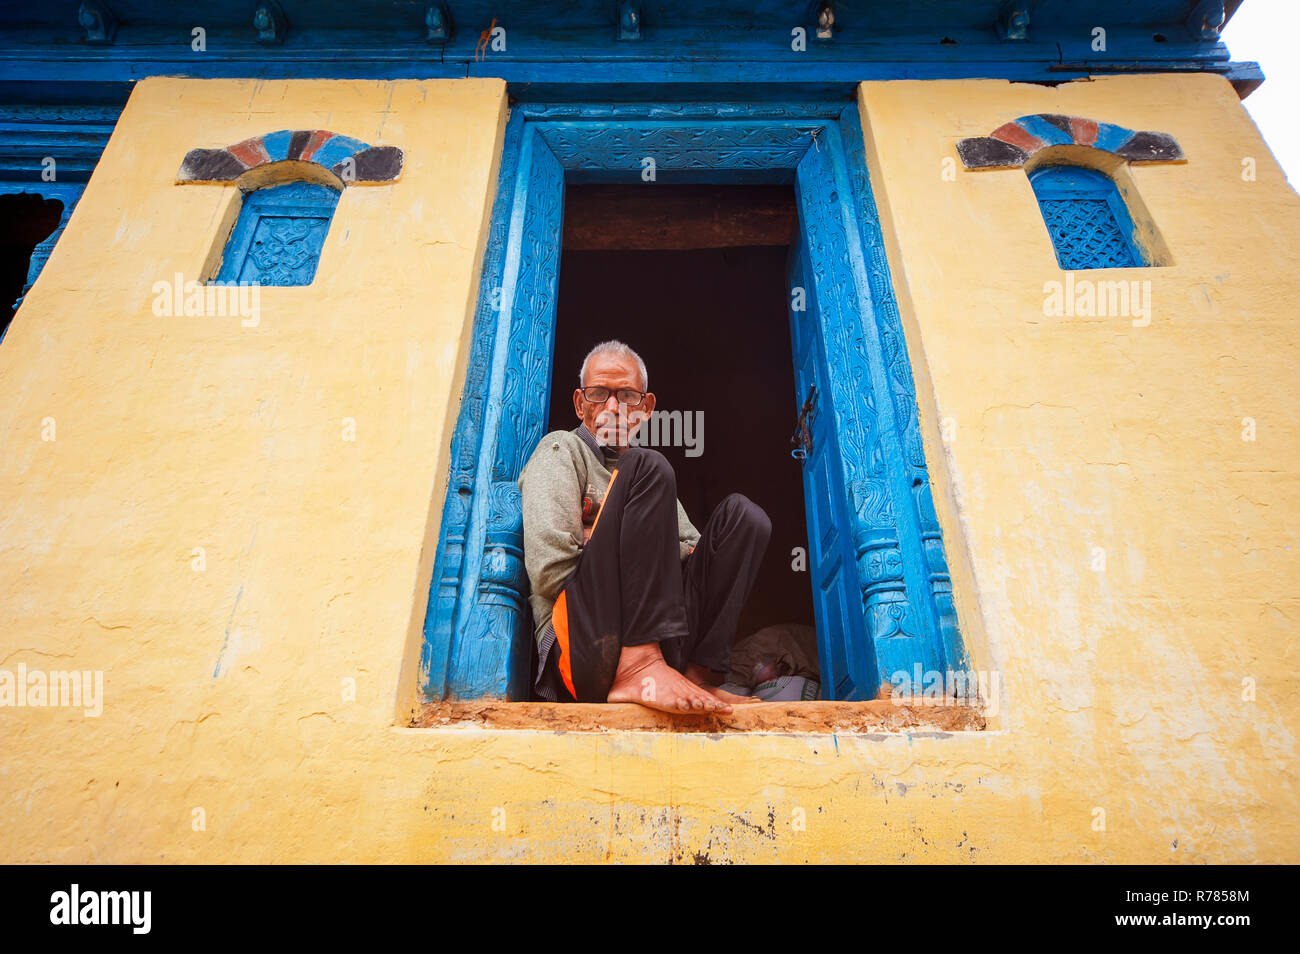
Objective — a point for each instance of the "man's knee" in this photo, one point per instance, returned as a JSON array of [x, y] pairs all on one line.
[[748, 515], [648, 464]]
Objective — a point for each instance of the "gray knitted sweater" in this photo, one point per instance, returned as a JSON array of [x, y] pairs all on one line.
[[563, 485]]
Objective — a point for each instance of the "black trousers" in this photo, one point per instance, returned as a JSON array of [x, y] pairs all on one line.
[[630, 586]]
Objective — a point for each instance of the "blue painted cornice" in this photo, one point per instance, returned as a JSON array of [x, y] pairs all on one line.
[[700, 48]]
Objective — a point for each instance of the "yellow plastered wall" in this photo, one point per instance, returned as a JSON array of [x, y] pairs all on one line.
[[227, 731], [1118, 491]]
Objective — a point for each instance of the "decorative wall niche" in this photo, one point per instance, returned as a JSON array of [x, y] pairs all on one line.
[[1079, 171], [290, 181]]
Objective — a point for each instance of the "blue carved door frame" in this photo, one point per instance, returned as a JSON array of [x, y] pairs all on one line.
[[477, 642]]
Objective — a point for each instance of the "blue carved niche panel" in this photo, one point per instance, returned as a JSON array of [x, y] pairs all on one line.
[[278, 237], [1086, 217]]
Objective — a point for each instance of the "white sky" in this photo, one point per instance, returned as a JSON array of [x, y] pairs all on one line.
[[1265, 31]]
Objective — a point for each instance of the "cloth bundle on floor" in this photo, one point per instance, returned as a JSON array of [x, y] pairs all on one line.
[[777, 663]]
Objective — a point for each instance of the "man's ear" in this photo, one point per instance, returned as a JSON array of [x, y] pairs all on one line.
[[577, 402], [648, 403]]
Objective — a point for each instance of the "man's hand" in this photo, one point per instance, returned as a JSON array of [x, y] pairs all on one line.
[[586, 535]]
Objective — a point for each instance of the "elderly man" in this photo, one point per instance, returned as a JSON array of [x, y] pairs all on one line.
[[631, 602]]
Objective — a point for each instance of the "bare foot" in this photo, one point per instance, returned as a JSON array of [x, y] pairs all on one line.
[[645, 678], [703, 678]]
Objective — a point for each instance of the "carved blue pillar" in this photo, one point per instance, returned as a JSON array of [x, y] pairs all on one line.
[[906, 595], [449, 564], [919, 524], [485, 643]]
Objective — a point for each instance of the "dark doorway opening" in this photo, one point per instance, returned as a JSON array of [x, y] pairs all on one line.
[[694, 279], [25, 222]]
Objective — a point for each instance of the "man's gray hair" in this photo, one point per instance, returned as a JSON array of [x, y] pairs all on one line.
[[618, 348]]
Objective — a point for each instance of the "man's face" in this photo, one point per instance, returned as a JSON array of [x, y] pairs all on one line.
[[612, 425]]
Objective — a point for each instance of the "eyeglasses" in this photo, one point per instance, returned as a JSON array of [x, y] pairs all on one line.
[[628, 397]]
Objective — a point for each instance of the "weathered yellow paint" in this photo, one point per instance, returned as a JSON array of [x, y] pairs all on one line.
[[1122, 688], [1120, 553]]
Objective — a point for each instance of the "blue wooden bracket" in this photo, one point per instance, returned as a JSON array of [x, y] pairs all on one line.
[[824, 21], [437, 22], [1206, 19], [97, 20], [270, 22], [1013, 20], [629, 20]]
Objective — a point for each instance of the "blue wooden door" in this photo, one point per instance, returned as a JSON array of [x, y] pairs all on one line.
[[848, 670]]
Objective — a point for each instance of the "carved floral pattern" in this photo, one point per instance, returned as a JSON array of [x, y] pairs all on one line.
[[285, 250]]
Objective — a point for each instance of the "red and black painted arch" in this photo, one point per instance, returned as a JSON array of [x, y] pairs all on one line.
[[350, 159], [1012, 144]]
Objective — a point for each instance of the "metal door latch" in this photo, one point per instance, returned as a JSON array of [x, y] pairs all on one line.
[[801, 441]]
